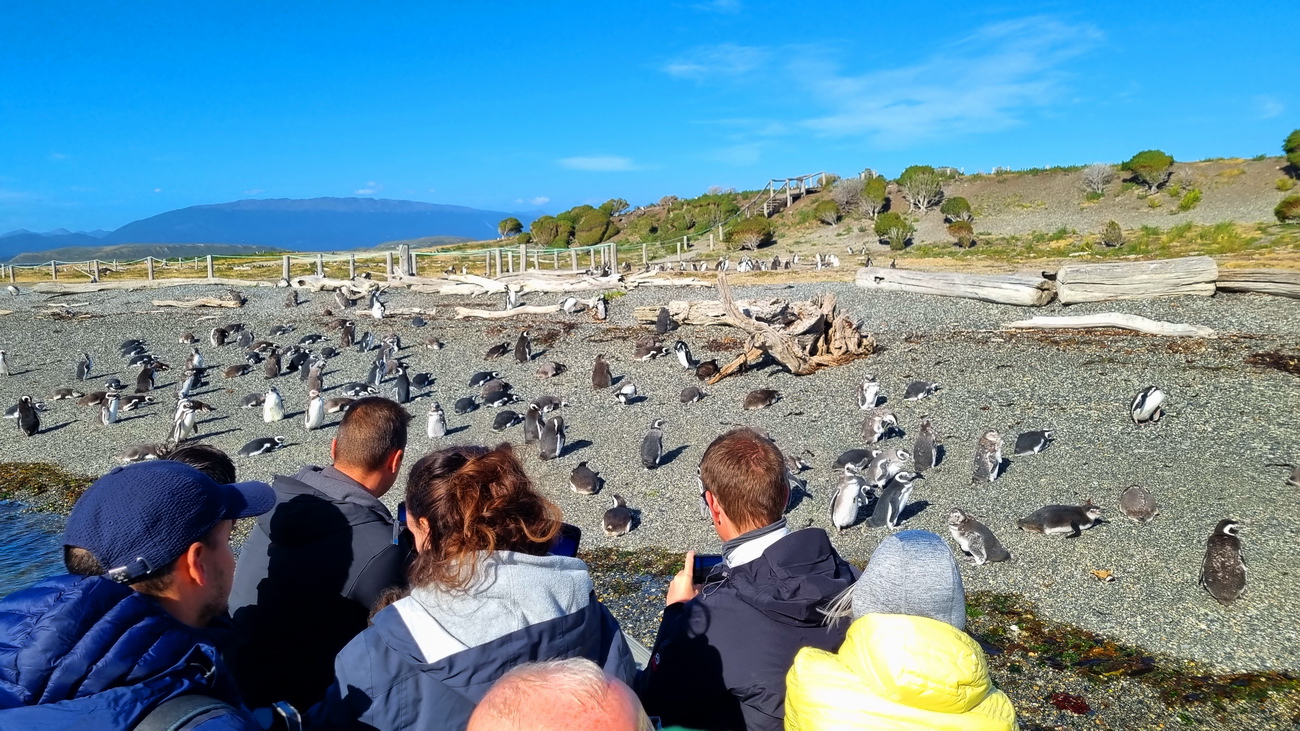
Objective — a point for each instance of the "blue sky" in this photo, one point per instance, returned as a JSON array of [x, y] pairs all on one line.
[[110, 112]]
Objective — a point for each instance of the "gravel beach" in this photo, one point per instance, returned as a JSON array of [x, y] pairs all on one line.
[[1206, 460]]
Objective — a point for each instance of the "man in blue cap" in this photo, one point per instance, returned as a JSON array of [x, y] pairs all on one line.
[[132, 647]]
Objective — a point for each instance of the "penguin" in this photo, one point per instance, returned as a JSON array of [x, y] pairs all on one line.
[[135, 401], [418, 322], [422, 380], [94, 398], [496, 351], [189, 382], [917, 390], [130, 346], [1138, 504], [194, 360], [217, 336], [316, 376], [549, 369], [868, 393], [200, 406], [506, 419], [29, 420], [465, 405], [108, 411], [626, 394], [114, 384], [925, 449], [859, 458], [552, 442], [65, 393], [988, 457], [602, 308], [618, 519], [235, 371], [691, 394], [683, 352], [976, 539], [315, 416], [310, 339], [297, 361], [277, 330], [433, 344], [893, 500], [83, 367], [4, 363], [571, 305], [761, 398], [271, 367], [142, 452], [366, 343], [652, 446], [584, 480], [499, 396], [401, 386], [358, 390], [12, 411], [272, 406], [342, 299], [261, 446], [1067, 520], [877, 424], [1148, 406], [482, 377], [600, 375], [663, 321], [849, 496], [1032, 442], [291, 300], [523, 348], [884, 466], [144, 380], [707, 369], [348, 334], [648, 348], [436, 424], [184, 423], [512, 298], [245, 338], [12, 290], [1223, 572], [328, 352], [336, 405]]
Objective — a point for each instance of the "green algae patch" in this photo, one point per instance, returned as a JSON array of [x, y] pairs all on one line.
[[619, 573], [46, 486]]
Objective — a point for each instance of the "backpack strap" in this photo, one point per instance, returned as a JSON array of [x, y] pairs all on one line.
[[173, 714]]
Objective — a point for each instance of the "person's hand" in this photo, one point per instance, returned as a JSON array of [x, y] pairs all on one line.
[[682, 587]]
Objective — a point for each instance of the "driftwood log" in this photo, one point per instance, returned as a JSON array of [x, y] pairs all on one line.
[[200, 302], [1193, 275], [134, 284], [1280, 282], [820, 337], [466, 312], [1113, 320], [354, 287], [1024, 290], [713, 312]]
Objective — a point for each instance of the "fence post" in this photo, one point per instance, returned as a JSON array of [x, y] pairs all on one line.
[[523, 257], [679, 251], [645, 255], [54, 270], [284, 268], [555, 259], [613, 257], [211, 274], [537, 264], [415, 268], [388, 264], [591, 258], [148, 266], [710, 241], [320, 264], [498, 258], [94, 270], [352, 266], [573, 259]]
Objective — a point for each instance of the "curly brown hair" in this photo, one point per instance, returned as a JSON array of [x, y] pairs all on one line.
[[475, 499]]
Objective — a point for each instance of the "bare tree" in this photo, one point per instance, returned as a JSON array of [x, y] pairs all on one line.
[[847, 193], [922, 186], [1096, 177]]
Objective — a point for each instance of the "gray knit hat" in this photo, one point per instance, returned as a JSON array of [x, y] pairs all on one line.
[[912, 572]]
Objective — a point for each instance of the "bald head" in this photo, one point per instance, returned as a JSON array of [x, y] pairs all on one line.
[[561, 695]]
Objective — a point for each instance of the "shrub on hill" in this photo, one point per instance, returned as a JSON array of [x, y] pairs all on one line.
[[509, 227], [749, 233], [1095, 178], [894, 229], [957, 209], [922, 185], [1288, 211], [613, 206], [1189, 200], [827, 211], [1151, 167], [847, 193], [1291, 146], [874, 196], [963, 232], [551, 231], [593, 227], [1112, 234]]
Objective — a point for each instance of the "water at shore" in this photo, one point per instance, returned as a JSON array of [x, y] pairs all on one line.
[[31, 546]]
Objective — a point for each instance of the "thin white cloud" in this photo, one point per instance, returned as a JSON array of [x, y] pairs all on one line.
[[157, 190], [599, 163], [721, 61], [1268, 107], [371, 188]]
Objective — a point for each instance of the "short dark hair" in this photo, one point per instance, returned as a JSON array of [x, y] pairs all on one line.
[[746, 473], [207, 459], [372, 429], [81, 562]]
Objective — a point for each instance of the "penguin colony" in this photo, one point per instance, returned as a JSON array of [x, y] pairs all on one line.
[[878, 481]]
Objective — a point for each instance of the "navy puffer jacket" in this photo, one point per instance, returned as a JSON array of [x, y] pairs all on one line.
[[82, 652]]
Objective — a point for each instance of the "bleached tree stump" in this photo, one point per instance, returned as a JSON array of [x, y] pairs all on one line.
[[1194, 275], [1024, 290]]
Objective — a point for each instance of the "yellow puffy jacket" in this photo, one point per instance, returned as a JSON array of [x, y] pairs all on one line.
[[897, 672]]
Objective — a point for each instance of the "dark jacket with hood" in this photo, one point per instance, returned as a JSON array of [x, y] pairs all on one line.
[[720, 660], [81, 652], [305, 582]]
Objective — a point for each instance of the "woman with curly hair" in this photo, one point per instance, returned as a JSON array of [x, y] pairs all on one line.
[[486, 595]]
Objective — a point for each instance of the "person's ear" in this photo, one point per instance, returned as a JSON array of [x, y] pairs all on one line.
[[191, 564], [716, 513], [395, 461], [334, 448]]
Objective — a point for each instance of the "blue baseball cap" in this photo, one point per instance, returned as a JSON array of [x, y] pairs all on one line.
[[137, 519]]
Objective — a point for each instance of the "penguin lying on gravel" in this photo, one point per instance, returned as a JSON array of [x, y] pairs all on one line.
[[261, 446], [1067, 520]]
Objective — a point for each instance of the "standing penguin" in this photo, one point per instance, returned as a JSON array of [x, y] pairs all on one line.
[[108, 410], [401, 386], [1223, 573], [316, 376], [217, 336], [184, 425], [976, 539], [271, 366], [83, 367], [926, 447], [683, 352], [868, 393], [553, 438], [273, 406], [652, 446], [315, 417], [523, 348], [4, 363], [988, 457], [663, 321], [437, 424], [533, 423], [602, 308], [849, 496], [29, 421], [877, 424], [194, 360], [144, 380], [342, 299], [377, 309], [618, 519], [889, 508], [1148, 406], [348, 334], [600, 375]]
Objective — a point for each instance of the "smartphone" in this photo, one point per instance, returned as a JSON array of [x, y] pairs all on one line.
[[704, 563], [400, 524], [567, 543]]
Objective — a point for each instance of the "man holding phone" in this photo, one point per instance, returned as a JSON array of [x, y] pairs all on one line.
[[725, 643]]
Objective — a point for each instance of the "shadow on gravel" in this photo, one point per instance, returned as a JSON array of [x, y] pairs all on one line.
[[49, 429], [671, 455], [206, 435], [912, 510], [574, 446]]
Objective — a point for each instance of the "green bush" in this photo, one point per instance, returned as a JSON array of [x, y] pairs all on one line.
[[963, 232], [1153, 202], [1151, 167], [1189, 200], [895, 229], [1291, 146], [1093, 197], [922, 185], [613, 206], [750, 233], [545, 230], [957, 209], [827, 211], [524, 238], [1288, 211], [509, 227], [1285, 184], [593, 227], [1112, 234], [874, 196]]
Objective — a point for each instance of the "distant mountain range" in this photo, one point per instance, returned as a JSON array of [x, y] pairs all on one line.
[[313, 224]]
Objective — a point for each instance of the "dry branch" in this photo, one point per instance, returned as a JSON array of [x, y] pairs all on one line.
[[712, 312], [200, 302], [84, 287], [1113, 320], [466, 312]]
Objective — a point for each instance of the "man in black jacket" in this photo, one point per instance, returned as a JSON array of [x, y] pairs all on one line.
[[724, 645], [313, 567]]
